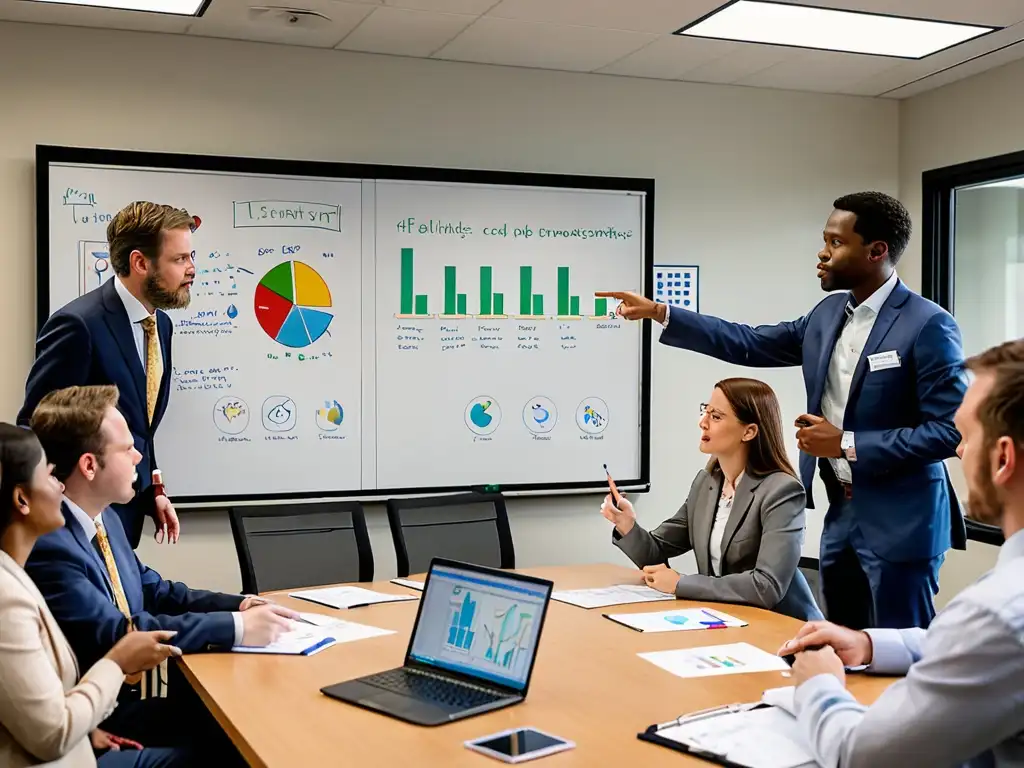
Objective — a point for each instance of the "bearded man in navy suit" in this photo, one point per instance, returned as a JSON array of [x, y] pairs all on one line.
[[116, 334]]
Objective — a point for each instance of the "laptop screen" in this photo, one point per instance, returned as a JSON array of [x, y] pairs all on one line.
[[480, 625]]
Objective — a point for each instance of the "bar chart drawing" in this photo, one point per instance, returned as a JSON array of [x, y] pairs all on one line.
[[460, 627], [491, 303]]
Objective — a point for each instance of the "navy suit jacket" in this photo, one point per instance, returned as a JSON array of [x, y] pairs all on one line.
[[902, 417], [90, 341], [72, 577]]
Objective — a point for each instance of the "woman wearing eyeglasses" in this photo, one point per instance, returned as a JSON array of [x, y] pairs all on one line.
[[743, 517]]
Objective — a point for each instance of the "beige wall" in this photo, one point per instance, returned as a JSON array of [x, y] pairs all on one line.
[[974, 118], [745, 179]]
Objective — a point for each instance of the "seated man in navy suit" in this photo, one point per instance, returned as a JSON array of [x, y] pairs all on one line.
[[116, 334], [884, 372], [91, 579]]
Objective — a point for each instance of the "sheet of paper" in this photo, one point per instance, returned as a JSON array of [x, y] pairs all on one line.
[[731, 659], [760, 738], [676, 621], [410, 583], [601, 597], [302, 639], [347, 597], [781, 698]]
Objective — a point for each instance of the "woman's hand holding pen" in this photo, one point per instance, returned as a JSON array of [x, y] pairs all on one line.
[[623, 516]]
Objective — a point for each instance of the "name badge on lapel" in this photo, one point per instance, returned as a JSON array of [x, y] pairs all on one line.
[[884, 360]]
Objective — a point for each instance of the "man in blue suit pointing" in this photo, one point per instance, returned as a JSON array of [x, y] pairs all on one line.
[[883, 368]]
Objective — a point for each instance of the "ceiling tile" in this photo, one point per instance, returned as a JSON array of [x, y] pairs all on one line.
[[997, 13], [823, 71], [82, 16], [669, 57], [472, 7], [997, 59], [545, 46], [745, 60], [234, 19], [405, 33], [657, 16]]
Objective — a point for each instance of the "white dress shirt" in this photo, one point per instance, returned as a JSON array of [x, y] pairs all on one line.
[[136, 314], [89, 526], [718, 529], [845, 356], [960, 702]]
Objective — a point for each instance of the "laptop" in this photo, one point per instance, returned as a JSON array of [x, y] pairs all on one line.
[[472, 648]]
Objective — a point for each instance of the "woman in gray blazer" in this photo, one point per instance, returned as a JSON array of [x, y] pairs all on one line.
[[743, 517]]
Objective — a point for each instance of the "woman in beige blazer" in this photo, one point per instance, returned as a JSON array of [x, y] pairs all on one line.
[[743, 517], [48, 716]]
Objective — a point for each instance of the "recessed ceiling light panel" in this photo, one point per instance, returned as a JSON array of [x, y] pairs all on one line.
[[804, 26], [175, 7]]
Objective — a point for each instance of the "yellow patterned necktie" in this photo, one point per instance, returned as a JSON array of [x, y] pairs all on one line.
[[154, 365], [121, 600]]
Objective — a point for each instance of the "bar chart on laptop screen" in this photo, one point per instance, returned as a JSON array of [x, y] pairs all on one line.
[[490, 630]]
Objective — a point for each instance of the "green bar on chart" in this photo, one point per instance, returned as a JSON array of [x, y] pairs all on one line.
[[538, 305], [406, 296], [525, 289], [499, 304], [449, 290], [460, 304], [563, 291], [600, 307], [485, 290], [421, 305], [574, 306]]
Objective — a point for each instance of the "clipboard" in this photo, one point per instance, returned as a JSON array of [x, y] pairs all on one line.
[[657, 734]]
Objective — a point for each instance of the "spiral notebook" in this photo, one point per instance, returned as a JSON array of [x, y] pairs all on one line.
[[760, 734]]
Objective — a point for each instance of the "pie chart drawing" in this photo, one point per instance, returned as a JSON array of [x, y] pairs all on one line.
[[292, 304]]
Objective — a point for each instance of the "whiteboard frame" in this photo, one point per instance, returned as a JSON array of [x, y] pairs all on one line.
[[47, 155]]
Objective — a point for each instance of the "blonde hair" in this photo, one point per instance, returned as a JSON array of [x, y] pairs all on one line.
[[139, 226]]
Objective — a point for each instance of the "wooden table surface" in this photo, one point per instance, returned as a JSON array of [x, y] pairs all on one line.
[[588, 686]]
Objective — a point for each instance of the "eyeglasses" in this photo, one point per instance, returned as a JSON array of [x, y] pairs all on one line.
[[713, 413]]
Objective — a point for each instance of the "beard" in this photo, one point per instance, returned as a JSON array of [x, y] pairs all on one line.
[[984, 506], [163, 298]]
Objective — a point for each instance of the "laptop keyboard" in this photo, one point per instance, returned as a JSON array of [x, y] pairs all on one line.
[[436, 689]]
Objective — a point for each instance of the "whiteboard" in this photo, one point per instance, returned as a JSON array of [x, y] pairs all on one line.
[[366, 331]]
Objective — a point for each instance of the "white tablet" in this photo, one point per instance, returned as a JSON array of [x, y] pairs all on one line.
[[517, 745]]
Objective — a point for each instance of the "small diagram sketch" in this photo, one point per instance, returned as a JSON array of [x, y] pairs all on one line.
[[540, 415], [279, 413], [94, 267], [677, 286], [592, 415], [330, 416], [231, 415]]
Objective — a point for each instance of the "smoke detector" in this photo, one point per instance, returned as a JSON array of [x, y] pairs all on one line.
[[287, 16]]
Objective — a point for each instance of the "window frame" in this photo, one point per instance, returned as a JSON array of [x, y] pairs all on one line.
[[938, 267]]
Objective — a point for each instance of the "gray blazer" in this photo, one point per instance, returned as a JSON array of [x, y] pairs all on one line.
[[760, 547]]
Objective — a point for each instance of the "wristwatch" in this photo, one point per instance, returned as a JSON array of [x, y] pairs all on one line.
[[848, 447]]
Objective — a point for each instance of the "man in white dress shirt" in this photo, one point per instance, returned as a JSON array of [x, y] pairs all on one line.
[[883, 371], [960, 702], [116, 334]]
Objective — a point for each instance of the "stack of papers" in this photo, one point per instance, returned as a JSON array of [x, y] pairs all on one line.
[[601, 597], [731, 659], [347, 597], [313, 634], [410, 583], [676, 621]]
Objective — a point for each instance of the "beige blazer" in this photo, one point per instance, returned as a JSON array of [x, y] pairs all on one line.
[[46, 712]]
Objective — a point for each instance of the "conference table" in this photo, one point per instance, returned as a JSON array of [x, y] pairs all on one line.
[[588, 686]]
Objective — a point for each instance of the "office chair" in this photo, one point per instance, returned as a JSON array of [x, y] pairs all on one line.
[[810, 567], [472, 527], [284, 546]]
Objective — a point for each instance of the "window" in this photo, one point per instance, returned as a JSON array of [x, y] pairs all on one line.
[[973, 256]]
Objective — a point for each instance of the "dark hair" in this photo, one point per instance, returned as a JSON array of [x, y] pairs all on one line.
[[20, 454], [68, 422], [754, 402], [1002, 412], [879, 217]]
